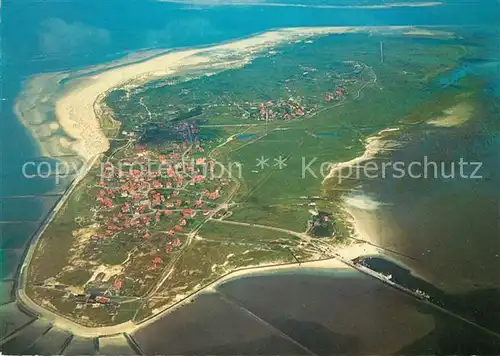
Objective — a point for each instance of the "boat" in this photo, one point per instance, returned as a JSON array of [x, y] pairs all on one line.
[[422, 294]]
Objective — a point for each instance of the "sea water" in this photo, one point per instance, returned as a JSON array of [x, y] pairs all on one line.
[[50, 36]]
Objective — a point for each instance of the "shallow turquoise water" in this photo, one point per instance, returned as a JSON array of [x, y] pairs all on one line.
[[53, 37]]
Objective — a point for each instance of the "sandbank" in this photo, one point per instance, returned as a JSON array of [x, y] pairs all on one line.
[[373, 145], [76, 100], [250, 271], [454, 116]]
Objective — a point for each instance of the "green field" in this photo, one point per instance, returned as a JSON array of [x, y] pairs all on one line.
[[226, 109]]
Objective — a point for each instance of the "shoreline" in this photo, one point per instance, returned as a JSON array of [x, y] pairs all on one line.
[[333, 264], [339, 262], [75, 116], [373, 145]]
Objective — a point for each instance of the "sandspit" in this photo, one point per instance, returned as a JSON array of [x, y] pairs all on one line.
[[360, 209], [351, 169], [429, 33], [346, 252], [75, 95], [75, 128], [454, 116], [252, 271]]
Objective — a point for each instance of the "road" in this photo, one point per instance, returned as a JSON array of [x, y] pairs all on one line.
[[23, 299], [129, 326], [245, 271], [77, 329], [170, 268], [300, 235]]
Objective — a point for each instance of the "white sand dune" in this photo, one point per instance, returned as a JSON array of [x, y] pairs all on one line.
[[76, 102]]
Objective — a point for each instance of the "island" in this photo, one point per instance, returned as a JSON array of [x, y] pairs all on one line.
[[201, 162]]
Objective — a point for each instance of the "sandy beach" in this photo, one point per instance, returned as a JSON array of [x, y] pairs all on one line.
[[359, 209], [373, 146], [428, 33], [45, 101], [347, 252], [63, 119]]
